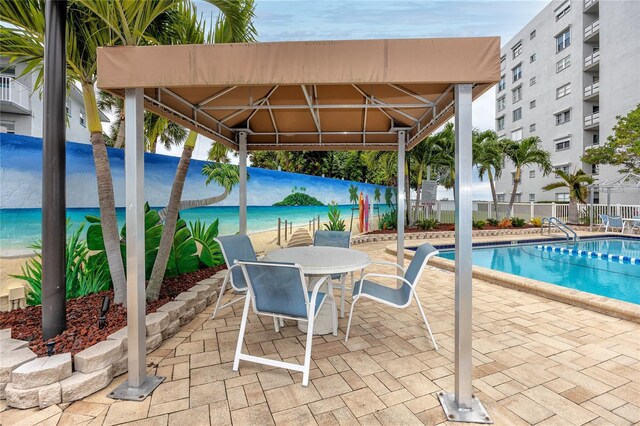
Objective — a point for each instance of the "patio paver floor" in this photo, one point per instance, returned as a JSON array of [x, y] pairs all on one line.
[[536, 361]]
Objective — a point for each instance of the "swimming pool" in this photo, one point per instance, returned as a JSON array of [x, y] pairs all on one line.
[[619, 279]]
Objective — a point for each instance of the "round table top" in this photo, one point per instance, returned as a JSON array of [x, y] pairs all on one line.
[[320, 260]]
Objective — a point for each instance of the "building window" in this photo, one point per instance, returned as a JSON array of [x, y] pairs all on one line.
[[532, 58], [563, 117], [8, 126], [562, 145], [563, 90], [532, 35], [565, 169], [518, 198], [68, 108], [517, 114], [516, 72], [563, 11], [500, 198], [83, 122], [516, 135], [532, 174], [532, 127], [596, 139], [595, 169], [563, 197], [502, 84], [502, 103], [532, 197], [513, 178], [532, 81], [500, 123], [563, 63], [595, 109], [517, 50], [517, 94], [563, 40], [532, 104], [503, 63]]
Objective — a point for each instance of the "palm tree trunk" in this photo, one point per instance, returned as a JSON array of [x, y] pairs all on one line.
[[173, 207], [407, 192], [513, 192], [416, 209], [573, 210], [492, 184], [106, 199], [120, 137], [190, 204]]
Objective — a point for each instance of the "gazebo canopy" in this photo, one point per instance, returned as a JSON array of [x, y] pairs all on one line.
[[629, 182], [320, 95]]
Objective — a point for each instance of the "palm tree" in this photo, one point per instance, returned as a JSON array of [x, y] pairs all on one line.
[[159, 129], [428, 153], [526, 152], [353, 194], [110, 103], [447, 172], [234, 24], [488, 154], [577, 183], [225, 175], [376, 195]]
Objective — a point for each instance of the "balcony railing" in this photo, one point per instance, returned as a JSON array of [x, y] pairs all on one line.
[[592, 60], [592, 120], [592, 30], [14, 92], [590, 3], [592, 90]]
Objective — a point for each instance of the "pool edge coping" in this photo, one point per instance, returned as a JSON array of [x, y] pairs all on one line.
[[604, 305]]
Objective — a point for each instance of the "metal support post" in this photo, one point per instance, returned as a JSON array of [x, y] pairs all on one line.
[[242, 164], [402, 140], [54, 228], [139, 386], [463, 406]]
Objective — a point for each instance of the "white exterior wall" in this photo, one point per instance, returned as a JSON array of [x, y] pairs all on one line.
[[619, 87]]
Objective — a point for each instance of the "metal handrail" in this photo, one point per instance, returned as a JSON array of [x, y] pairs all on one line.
[[554, 221]]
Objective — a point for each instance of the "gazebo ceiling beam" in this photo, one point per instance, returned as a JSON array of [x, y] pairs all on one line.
[[376, 104], [214, 97], [273, 123], [315, 117], [246, 108], [364, 123], [393, 107], [194, 110], [412, 94]]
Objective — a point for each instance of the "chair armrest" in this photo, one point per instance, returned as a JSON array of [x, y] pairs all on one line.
[[395, 277], [316, 289], [384, 262]]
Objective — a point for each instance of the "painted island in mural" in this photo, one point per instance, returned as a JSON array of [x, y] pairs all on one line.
[[271, 194]]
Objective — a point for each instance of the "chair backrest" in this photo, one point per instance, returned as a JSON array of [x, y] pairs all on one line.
[[332, 239], [276, 288], [604, 218], [234, 248], [419, 261], [615, 221]]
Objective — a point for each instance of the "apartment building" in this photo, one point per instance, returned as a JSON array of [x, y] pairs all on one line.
[[22, 109], [565, 77]]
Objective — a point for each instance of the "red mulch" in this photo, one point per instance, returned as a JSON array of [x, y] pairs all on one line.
[[83, 313], [440, 228]]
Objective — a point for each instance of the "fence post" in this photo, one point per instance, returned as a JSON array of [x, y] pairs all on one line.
[[318, 222], [313, 227], [553, 209], [438, 210], [618, 210], [532, 210], [489, 210], [286, 228], [279, 222], [291, 227]]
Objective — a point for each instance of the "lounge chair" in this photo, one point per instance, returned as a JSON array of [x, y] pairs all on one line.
[[398, 297], [614, 222], [279, 290], [604, 220], [335, 239]]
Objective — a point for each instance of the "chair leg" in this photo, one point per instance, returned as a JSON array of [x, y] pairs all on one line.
[[424, 317], [222, 289], [353, 303], [281, 322], [243, 327], [307, 351], [342, 294], [276, 324], [334, 316]]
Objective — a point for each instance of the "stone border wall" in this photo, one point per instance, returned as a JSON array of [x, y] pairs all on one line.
[[428, 235], [27, 381]]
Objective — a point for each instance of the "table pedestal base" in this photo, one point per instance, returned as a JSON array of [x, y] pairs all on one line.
[[323, 323]]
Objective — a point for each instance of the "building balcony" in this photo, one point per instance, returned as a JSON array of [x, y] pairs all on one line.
[[592, 62], [592, 121], [14, 96], [592, 32], [592, 92], [591, 6]]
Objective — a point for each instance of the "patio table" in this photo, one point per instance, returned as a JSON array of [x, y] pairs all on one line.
[[317, 262], [631, 221]]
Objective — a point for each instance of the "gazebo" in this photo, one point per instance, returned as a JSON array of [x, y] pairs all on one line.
[[629, 182], [323, 95]]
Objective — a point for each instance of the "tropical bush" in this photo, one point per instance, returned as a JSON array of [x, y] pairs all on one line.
[[518, 222], [388, 220], [299, 199], [505, 223], [478, 224], [183, 257], [536, 221], [335, 223], [427, 224], [493, 222], [210, 253], [84, 275]]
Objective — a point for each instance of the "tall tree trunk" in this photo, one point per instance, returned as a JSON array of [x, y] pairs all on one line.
[[416, 208], [573, 210], [192, 204], [407, 192], [106, 199], [120, 137], [173, 207], [513, 192], [492, 184]]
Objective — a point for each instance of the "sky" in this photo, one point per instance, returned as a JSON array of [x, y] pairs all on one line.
[[293, 20]]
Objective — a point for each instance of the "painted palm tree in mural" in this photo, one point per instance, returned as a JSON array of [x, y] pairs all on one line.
[[577, 183], [353, 194]]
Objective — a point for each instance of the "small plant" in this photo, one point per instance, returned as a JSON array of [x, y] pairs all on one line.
[[210, 254], [388, 220], [504, 223], [335, 223], [518, 222], [493, 222], [536, 221], [478, 224], [427, 224]]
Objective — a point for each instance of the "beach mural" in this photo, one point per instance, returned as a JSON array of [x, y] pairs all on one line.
[[271, 194]]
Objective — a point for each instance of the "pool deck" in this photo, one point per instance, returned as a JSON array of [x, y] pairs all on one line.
[[536, 361]]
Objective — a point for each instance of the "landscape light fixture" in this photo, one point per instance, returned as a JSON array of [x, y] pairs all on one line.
[[102, 321]]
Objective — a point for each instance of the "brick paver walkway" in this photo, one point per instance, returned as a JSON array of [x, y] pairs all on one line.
[[535, 362]]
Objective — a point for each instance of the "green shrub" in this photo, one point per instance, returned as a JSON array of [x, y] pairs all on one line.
[[210, 253], [493, 222], [427, 224], [518, 222], [335, 223], [183, 257], [388, 220], [478, 224]]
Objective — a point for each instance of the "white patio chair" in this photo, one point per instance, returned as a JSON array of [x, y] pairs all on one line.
[[635, 225], [614, 222], [279, 290], [604, 220], [396, 297], [335, 239]]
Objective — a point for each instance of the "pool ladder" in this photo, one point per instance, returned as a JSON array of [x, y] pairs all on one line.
[[549, 222]]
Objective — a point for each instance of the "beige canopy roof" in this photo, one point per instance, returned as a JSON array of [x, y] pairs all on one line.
[[320, 95]]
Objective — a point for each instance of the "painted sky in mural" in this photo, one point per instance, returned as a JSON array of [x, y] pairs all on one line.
[[21, 174]]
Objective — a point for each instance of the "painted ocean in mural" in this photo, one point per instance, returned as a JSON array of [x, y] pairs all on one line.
[[20, 192]]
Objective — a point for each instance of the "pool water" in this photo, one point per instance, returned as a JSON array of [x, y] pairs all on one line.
[[614, 279]]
